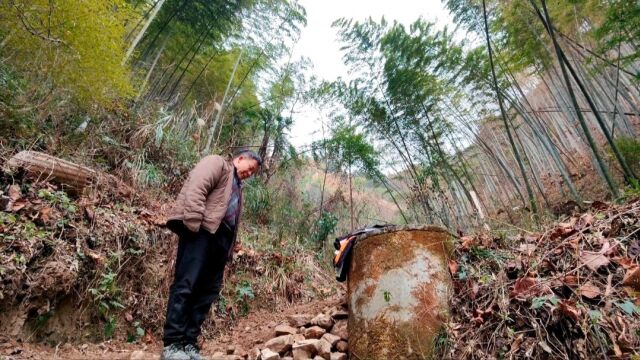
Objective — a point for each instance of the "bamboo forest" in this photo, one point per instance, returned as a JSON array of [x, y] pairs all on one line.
[[298, 179]]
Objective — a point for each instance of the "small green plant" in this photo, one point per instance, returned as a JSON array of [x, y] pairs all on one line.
[[387, 296], [630, 150], [41, 320], [539, 302], [324, 227], [222, 305], [628, 307], [244, 293], [257, 201], [138, 332], [106, 295], [595, 316], [441, 340], [110, 327], [59, 199]]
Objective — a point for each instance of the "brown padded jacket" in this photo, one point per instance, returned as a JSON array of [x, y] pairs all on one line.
[[203, 200]]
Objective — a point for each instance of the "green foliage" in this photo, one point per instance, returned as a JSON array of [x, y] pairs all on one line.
[[348, 149], [69, 47], [106, 296], [539, 302], [630, 150], [629, 308], [325, 226], [12, 108], [387, 296], [138, 333], [110, 327], [257, 201], [244, 293], [59, 199], [621, 25]]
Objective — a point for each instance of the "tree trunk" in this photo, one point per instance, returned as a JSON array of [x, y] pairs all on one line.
[[136, 41], [532, 200], [581, 120]]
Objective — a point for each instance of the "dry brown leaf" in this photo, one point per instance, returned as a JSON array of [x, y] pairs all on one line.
[[527, 249], [19, 205], [632, 293], [148, 338], [595, 260], [453, 266], [14, 192], [545, 347], [599, 205], [625, 262], [589, 290], [89, 214], [532, 237], [584, 221], [475, 288], [569, 310], [525, 288], [467, 242], [570, 280], [616, 347], [632, 278], [45, 214], [515, 345], [564, 229]]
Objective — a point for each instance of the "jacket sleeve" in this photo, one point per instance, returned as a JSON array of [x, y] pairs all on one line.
[[202, 180]]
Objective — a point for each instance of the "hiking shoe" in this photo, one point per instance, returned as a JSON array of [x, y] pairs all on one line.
[[193, 352], [174, 352]]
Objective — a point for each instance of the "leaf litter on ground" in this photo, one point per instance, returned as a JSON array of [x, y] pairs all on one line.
[[569, 292]]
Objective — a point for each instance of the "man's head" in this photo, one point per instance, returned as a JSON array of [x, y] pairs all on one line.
[[247, 163]]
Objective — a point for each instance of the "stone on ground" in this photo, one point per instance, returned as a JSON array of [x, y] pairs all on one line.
[[323, 348], [338, 356], [284, 329], [340, 329], [342, 346], [299, 320], [280, 344], [323, 320], [331, 339], [143, 355], [339, 313], [309, 345], [231, 349], [302, 354], [314, 332], [267, 354]]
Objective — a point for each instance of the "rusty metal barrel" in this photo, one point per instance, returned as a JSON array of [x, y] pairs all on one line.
[[398, 292]]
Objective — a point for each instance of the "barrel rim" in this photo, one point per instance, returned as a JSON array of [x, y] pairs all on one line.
[[396, 228]]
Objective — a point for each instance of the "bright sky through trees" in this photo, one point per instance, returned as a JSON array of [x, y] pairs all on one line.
[[318, 43]]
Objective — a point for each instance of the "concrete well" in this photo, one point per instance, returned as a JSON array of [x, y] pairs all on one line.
[[398, 292]]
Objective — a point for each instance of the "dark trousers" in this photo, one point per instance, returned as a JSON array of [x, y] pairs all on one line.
[[197, 282]]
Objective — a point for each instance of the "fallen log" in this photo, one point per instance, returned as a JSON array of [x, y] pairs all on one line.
[[45, 167]]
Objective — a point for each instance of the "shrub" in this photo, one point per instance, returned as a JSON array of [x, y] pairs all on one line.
[[324, 227], [630, 149]]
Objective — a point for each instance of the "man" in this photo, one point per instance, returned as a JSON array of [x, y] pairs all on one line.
[[205, 217]]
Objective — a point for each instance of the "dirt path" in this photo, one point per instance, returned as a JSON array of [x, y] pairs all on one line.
[[247, 332]]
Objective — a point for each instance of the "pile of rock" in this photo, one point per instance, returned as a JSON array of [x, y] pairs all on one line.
[[305, 337]]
